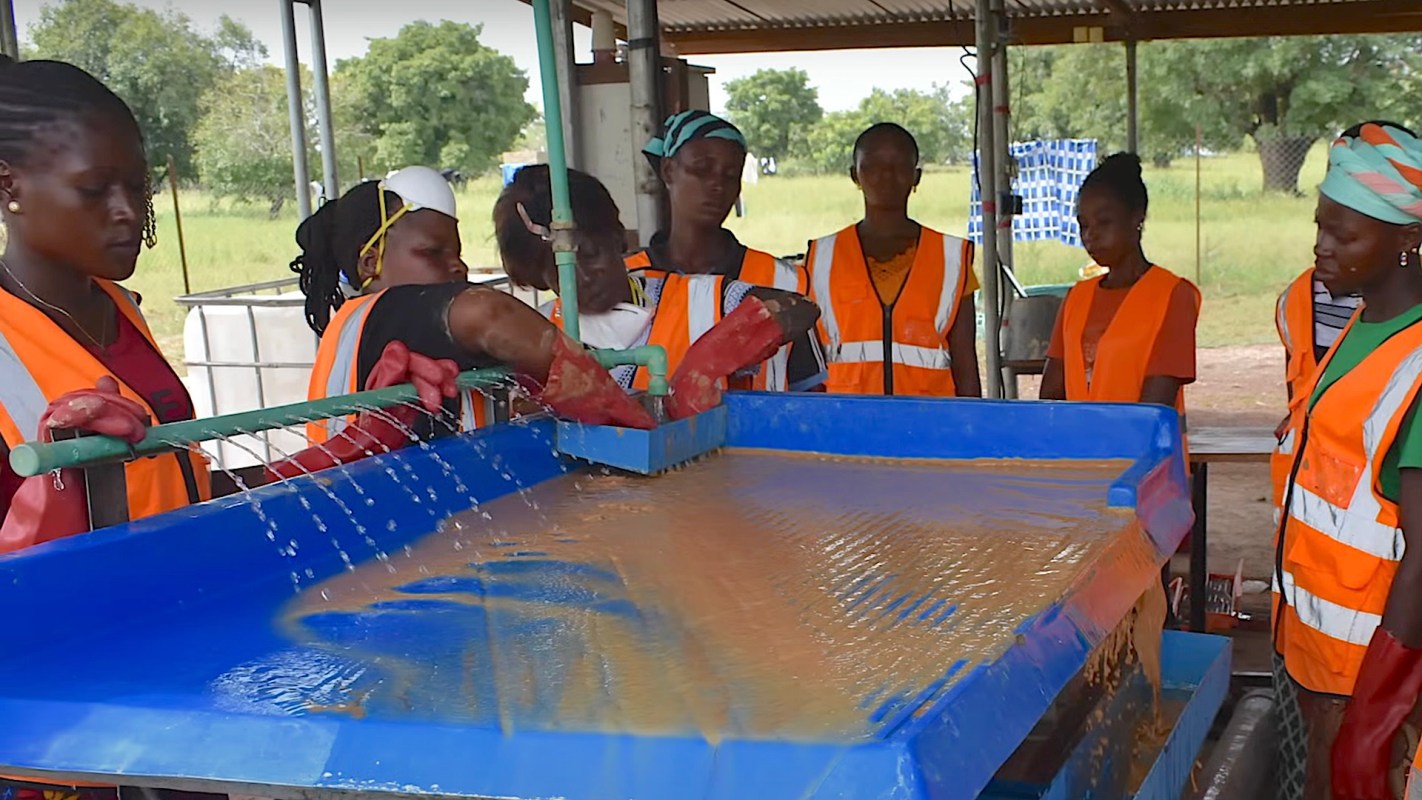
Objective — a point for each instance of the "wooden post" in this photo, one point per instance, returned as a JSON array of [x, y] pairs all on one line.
[[1198, 253], [178, 218]]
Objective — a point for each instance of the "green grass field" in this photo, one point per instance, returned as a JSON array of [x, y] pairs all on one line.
[[1252, 243]]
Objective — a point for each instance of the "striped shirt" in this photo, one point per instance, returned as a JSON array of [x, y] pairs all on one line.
[[1330, 316]]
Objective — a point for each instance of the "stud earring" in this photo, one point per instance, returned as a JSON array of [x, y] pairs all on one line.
[[13, 206]]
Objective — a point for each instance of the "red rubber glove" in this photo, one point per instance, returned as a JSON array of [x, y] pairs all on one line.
[[580, 389], [47, 507], [1389, 682], [746, 336], [386, 430]]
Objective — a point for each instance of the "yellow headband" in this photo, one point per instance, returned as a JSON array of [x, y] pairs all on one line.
[[378, 239]]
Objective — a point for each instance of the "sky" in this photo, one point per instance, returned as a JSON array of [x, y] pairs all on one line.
[[842, 80]]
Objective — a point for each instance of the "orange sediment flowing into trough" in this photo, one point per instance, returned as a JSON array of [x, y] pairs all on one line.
[[749, 594]]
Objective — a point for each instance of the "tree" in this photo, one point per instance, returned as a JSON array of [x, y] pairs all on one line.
[[828, 146], [435, 95], [1284, 94], [157, 62], [940, 124], [244, 138], [1287, 93], [770, 107]]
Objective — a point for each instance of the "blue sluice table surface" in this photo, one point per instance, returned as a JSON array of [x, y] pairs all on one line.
[[857, 599]]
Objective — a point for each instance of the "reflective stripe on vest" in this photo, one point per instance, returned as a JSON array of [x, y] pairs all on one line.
[[1293, 317], [908, 355], [758, 268], [1342, 539], [852, 316], [763, 269], [1327, 617], [335, 372], [687, 306], [39, 362]]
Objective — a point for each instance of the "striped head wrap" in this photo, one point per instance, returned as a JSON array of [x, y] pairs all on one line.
[[684, 127], [1377, 173]]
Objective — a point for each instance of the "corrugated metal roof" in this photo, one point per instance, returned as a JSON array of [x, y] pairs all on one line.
[[706, 24]]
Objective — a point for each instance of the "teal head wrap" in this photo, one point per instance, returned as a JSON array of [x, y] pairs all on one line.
[[684, 127], [1377, 173]]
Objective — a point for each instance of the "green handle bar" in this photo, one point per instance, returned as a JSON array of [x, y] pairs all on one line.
[[36, 458]]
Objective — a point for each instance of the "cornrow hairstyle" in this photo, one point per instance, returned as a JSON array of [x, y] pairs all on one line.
[[36, 96], [1120, 174], [527, 258], [884, 127], [1357, 130], [330, 242]]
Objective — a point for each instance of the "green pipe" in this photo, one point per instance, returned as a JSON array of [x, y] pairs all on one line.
[[35, 458], [563, 227], [653, 357]]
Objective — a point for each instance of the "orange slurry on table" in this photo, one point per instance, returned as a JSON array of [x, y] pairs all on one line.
[[748, 594]]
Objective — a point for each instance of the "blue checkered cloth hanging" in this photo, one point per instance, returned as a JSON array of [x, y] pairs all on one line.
[[1049, 175]]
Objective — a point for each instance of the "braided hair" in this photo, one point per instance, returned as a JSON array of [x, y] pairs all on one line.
[[38, 96], [1120, 174], [528, 259], [330, 242]]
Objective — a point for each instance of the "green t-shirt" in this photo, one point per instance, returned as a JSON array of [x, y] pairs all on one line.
[[1361, 340]]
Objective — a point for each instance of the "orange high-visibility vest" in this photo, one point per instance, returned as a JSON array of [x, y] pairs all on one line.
[[898, 349], [1293, 317], [685, 307], [39, 362], [334, 372], [758, 269], [1342, 539], [1124, 351]]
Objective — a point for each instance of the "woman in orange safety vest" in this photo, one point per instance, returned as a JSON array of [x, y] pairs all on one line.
[[1309, 319], [700, 157], [1348, 615], [712, 326], [416, 317], [897, 297], [1127, 336], [75, 351]]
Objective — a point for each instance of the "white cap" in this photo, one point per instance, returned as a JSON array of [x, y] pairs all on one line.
[[421, 187]]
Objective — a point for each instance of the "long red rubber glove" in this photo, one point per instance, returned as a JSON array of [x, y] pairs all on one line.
[[378, 432], [580, 389], [47, 507], [1389, 682], [748, 335]]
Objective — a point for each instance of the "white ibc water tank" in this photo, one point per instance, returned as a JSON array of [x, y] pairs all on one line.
[[246, 352]]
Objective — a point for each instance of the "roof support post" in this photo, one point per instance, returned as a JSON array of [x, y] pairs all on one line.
[[987, 28], [301, 175], [330, 179], [562, 15], [1003, 163], [9, 34], [644, 72], [1132, 101]]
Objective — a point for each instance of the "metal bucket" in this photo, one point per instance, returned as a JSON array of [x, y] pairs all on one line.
[[1027, 325]]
